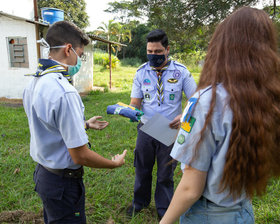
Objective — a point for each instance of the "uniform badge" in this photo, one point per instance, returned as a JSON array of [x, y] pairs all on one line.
[[176, 74], [181, 139], [172, 80], [187, 125], [171, 96], [189, 109], [147, 82], [147, 96], [187, 120]]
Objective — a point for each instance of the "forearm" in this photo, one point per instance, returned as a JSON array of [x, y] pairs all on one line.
[[85, 157], [187, 193], [180, 203], [94, 160], [136, 106], [136, 102]]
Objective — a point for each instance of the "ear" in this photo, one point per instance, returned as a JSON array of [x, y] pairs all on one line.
[[168, 48], [67, 49]]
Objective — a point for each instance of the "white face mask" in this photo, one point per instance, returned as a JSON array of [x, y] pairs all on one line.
[[46, 48]]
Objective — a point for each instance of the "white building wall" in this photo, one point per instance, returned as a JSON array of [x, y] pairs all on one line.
[[13, 80], [21, 8], [83, 80]]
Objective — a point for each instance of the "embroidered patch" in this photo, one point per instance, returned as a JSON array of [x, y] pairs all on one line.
[[147, 82], [187, 126], [177, 74], [171, 96], [181, 139], [172, 80], [189, 109], [147, 96]]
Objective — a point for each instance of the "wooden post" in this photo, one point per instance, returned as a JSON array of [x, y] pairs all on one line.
[[36, 18], [274, 8], [110, 65]]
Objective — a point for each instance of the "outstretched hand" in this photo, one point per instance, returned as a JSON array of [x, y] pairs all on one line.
[[119, 159], [96, 124]]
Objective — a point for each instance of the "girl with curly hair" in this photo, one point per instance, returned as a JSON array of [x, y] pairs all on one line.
[[228, 143]]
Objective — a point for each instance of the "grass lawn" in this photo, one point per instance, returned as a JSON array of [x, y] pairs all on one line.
[[108, 192]]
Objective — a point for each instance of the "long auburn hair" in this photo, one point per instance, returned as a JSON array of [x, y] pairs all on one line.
[[242, 55]]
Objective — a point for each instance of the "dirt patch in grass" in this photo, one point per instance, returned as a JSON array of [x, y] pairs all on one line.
[[10, 102], [19, 216]]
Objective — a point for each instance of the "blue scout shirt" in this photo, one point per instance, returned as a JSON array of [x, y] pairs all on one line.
[[176, 78], [56, 120], [213, 149]]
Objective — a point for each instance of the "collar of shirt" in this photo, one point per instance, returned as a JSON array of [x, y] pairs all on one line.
[[46, 66]]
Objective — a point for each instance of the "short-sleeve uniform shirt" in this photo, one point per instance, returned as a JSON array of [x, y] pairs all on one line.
[[176, 78], [212, 150], [56, 120]]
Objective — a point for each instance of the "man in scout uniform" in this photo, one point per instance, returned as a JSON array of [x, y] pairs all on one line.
[[157, 88], [59, 143]]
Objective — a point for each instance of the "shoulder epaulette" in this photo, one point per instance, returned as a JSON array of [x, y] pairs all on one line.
[[176, 63], [141, 66], [205, 90]]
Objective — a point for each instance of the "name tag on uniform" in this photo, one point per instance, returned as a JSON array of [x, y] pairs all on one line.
[[172, 80]]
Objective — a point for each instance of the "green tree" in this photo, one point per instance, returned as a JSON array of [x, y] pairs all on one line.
[[274, 12], [123, 34], [114, 31], [137, 47], [183, 20], [74, 10], [107, 31]]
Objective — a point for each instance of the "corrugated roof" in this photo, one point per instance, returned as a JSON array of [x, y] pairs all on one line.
[[94, 37], [22, 19], [91, 36]]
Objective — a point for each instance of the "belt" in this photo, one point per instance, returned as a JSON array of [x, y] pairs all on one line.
[[69, 173], [202, 198]]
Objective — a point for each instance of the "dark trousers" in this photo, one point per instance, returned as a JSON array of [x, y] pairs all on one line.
[[63, 198], [147, 151]]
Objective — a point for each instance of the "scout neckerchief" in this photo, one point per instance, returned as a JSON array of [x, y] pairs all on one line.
[[159, 73], [46, 66]]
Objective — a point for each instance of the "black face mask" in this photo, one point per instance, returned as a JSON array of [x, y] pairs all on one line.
[[156, 60]]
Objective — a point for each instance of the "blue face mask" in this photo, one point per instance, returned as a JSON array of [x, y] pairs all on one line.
[[156, 60], [72, 69]]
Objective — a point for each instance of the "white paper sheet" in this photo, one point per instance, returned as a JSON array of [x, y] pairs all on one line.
[[158, 128]]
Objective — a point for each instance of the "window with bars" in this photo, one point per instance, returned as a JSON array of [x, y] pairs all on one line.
[[18, 54]]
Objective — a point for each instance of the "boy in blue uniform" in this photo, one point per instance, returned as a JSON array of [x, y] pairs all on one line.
[[157, 88], [58, 140]]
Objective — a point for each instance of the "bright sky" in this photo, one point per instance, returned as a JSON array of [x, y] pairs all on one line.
[[95, 10]]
